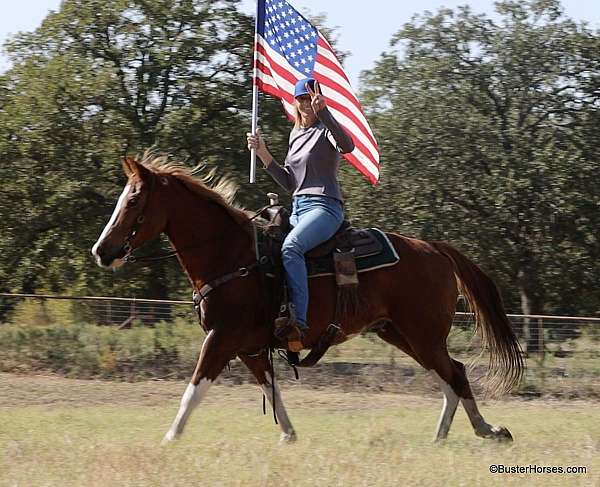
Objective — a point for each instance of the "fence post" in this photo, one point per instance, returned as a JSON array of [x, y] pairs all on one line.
[[540, 336], [127, 323]]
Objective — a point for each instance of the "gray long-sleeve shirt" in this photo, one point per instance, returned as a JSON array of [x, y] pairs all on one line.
[[313, 158]]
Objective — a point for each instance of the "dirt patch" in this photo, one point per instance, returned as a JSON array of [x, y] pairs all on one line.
[[344, 376], [55, 391], [402, 379], [52, 391]]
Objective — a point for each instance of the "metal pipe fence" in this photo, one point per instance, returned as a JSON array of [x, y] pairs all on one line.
[[537, 333], [562, 352], [541, 334], [102, 310]]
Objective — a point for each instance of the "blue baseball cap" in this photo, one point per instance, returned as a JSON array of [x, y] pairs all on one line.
[[300, 88]]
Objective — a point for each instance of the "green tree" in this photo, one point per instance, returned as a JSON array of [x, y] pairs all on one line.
[[101, 79], [487, 136], [97, 80]]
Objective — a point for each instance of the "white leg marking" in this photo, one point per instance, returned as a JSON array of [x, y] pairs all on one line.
[[202, 349], [191, 398], [110, 222], [448, 409], [288, 434]]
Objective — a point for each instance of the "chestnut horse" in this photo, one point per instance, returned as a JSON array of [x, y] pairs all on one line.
[[410, 304]]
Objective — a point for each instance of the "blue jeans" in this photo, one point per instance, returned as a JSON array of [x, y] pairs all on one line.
[[315, 219]]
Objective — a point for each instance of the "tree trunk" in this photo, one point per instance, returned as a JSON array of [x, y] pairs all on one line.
[[530, 304]]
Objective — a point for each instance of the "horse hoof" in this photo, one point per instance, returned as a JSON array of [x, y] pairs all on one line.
[[502, 434], [287, 438], [168, 438]]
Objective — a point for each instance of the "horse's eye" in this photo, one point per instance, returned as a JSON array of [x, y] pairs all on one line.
[[132, 202]]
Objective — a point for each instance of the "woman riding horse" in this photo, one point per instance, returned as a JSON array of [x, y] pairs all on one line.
[[310, 173], [411, 304]]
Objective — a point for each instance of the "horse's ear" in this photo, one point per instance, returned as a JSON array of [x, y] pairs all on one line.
[[126, 163], [139, 169]]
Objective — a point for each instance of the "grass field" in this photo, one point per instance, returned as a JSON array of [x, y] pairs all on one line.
[[57, 431]]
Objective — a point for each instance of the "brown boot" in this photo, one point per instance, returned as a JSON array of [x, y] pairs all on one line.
[[287, 330], [294, 339], [283, 327]]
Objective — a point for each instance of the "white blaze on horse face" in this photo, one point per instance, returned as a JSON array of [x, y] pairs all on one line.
[[109, 225]]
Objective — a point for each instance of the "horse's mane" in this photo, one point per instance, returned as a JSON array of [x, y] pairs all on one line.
[[221, 190]]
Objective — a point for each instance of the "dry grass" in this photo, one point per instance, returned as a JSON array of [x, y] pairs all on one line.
[[67, 432]]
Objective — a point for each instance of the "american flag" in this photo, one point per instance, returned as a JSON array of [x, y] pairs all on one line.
[[289, 48]]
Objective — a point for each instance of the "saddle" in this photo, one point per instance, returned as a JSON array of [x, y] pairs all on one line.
[[344, 255], [347, 239]]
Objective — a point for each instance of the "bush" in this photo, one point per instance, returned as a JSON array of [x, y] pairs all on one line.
[[37, 312], [89, 351]]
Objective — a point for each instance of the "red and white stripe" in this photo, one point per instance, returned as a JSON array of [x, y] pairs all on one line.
[[274, 75]]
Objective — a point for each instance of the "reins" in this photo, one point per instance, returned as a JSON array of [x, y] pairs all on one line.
[[199, 294], [131, 258]]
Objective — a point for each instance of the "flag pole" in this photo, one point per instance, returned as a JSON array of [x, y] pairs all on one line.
[[254, 96]]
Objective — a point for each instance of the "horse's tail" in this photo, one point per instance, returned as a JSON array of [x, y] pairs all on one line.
[[506, 365]]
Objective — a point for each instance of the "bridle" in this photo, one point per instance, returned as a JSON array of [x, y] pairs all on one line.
[[200, 294], [127, 247], [129, 257]]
